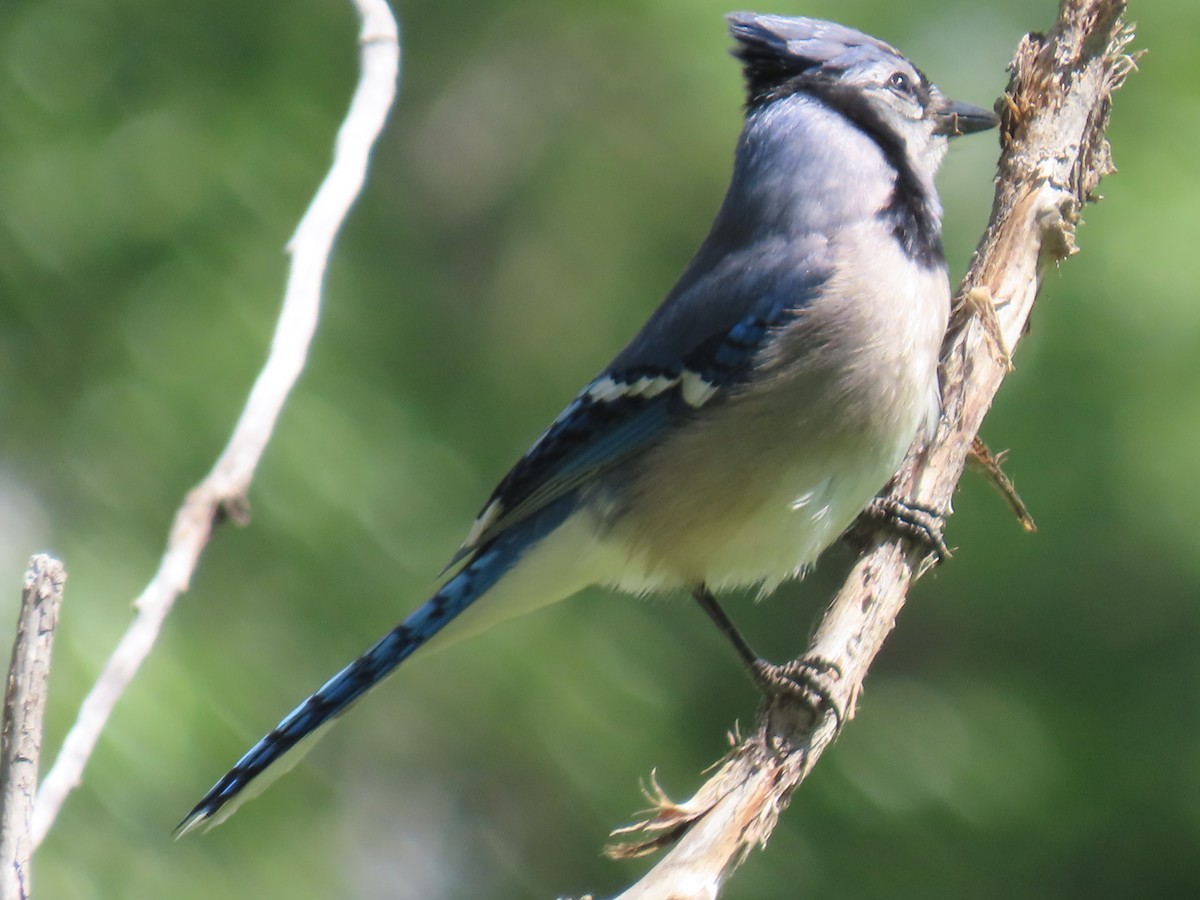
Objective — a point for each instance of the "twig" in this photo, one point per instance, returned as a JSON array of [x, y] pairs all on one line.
[[223, 491], [1055, 113], [991, 464], [24, 704]]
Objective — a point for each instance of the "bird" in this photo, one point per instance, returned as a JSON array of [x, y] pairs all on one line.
[[761, 408]]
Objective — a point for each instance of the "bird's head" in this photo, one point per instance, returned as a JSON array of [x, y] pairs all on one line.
[[863, 78]]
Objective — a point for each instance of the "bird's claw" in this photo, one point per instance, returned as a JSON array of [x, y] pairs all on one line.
[[922, 524], [811, 680]]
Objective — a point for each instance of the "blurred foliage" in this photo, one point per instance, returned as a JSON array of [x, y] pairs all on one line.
[[1032, 728]]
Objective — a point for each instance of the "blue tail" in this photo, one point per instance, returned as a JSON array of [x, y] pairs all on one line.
[[340, 691]]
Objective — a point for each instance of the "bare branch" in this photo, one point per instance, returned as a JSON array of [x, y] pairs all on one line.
[[24, 704], [222, 493], [1054, 115]]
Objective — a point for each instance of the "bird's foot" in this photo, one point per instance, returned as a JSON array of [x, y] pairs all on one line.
[[812, 680], [922, 524]]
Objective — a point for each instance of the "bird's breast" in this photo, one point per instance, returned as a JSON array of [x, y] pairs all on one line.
[[763, 479]]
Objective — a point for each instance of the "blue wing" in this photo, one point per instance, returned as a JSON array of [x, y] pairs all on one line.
[[701, 343]]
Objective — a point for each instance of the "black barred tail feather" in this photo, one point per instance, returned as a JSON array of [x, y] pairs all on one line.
[[276, 752], [279, 750]]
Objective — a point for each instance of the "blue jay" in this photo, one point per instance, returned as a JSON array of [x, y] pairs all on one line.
[[762, 406]]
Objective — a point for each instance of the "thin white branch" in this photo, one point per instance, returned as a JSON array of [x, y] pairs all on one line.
[[24, 705], [223, 491]]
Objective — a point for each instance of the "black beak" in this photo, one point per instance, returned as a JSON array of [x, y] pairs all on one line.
[[954, 118]]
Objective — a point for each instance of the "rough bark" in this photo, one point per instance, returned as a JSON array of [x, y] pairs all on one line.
[[24, 708]]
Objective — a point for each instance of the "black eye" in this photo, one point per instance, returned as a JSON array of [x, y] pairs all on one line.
[[901, 84]]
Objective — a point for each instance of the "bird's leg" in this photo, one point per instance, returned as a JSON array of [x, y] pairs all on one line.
[[810, 680], [721, 619]]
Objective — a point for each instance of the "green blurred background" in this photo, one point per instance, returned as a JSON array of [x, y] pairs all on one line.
[[1032, 728]]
